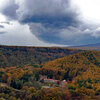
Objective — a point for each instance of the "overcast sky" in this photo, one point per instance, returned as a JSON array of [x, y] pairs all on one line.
[[49, 22]]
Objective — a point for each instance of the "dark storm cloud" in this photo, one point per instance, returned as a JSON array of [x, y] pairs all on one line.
[[47, 19], [52, 13], [56, 21], [53, 21]]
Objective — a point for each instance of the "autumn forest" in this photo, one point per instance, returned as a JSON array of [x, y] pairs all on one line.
[[49, 73]]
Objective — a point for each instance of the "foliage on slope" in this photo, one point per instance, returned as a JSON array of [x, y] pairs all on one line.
[[81, 70], [72, 65], [13, 56]]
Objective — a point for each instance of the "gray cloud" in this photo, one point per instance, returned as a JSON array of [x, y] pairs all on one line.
[[2, 32], [48, 18], [10, 9], [53, 21], [67, 35], [51, 13], [1, 26], [8, 23]]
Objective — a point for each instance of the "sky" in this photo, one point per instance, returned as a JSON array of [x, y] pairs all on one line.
[[49, 22]]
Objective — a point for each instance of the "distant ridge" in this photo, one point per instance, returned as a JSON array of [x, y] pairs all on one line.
[[88, 47]]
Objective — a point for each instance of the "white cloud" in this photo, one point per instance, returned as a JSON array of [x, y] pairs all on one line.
[[2, 18], [89, 10]]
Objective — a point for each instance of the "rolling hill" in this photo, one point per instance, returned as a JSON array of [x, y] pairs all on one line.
[[81, 71], [19, 56], [73, 65]]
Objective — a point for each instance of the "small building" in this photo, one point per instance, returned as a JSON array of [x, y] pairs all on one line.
[[52, 81], [63, 83], [43, 77]]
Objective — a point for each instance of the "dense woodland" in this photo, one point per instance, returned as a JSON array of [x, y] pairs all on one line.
[[79, 71], [72, 65], [19, 56]]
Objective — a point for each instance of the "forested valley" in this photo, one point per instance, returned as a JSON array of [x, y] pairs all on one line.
[[37, 73]]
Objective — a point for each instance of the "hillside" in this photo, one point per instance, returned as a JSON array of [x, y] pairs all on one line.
[[17, 55], [73, 65], [81, 71], [74, 77]]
